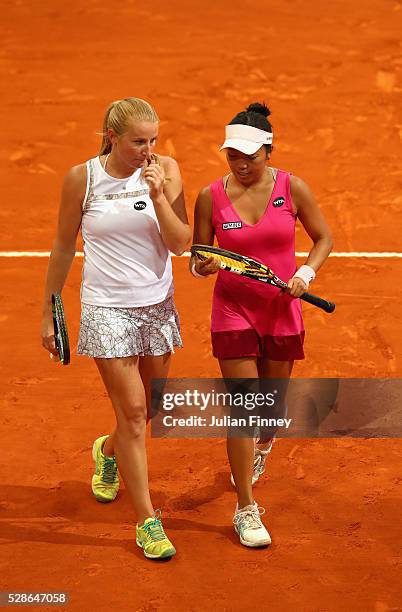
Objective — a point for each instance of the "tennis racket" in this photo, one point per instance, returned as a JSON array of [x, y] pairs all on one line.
[[245, 266], [60, 329]]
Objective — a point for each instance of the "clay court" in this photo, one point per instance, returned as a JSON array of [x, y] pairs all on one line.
[[332, 74]]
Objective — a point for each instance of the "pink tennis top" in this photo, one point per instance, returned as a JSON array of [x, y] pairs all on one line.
[[242, 303]]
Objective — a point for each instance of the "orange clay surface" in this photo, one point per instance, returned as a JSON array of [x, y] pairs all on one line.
[[331, 72]]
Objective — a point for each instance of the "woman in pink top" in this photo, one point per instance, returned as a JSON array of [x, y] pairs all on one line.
[[257, 330]]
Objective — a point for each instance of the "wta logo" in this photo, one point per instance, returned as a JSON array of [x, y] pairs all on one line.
[[278, 202], [232, 225], [140, 205]]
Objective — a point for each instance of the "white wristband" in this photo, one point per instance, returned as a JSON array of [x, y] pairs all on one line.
[[306, 273], [195, 273]]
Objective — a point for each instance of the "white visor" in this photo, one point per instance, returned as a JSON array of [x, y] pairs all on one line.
[[245, 138]]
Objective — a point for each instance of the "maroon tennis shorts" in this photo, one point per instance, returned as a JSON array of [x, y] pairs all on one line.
[[241, 343]]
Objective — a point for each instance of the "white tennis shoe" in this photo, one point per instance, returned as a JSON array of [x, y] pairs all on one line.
[[248, 525], [260, 457]]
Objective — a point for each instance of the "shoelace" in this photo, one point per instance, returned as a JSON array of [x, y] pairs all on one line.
[[250, 517], [154, 530], [109, 470]]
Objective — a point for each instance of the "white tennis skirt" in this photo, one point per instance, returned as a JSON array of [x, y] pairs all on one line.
[[123, 332]]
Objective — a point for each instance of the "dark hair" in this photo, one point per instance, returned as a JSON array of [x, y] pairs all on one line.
[[255, 115]]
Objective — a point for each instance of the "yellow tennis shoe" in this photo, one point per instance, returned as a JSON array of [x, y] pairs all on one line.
[[151, 537], [105, 481]]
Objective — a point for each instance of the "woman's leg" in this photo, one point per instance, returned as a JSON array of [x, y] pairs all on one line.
[[241, 450], [153, 367], [123, 382], [267, 368], [150, 367], [247, 518]]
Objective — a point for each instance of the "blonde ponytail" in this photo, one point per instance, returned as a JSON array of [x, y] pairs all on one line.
[[106, 145]]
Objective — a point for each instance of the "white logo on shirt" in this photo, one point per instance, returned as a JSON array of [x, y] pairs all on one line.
[[232, 225]]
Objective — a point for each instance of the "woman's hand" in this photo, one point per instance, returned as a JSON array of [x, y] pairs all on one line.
[[207, 266], [47, 335], [154, 175], [296, 287]]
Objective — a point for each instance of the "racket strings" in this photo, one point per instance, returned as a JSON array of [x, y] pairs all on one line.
[[60, 329], [227, 261], [244, 266], [231, 263]]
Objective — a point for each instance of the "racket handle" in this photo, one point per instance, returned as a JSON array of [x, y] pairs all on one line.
[[319, 302]]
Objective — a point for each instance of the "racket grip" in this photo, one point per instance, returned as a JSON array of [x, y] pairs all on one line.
[[319, 302]]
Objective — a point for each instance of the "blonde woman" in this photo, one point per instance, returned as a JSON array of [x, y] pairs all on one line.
[[130, 206]]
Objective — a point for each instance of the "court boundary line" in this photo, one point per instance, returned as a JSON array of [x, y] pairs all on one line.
[[343, 254]]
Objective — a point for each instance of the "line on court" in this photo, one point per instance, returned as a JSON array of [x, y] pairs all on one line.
[[351, 254]]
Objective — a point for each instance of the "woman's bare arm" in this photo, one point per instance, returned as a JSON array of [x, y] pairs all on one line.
[[63, 251], [204, 232], [315, 226], [168, 199]]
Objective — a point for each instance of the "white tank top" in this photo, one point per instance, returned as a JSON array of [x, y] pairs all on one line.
[[126, 262]]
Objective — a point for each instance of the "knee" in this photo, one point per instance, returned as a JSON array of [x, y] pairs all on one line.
[[132, 423]]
